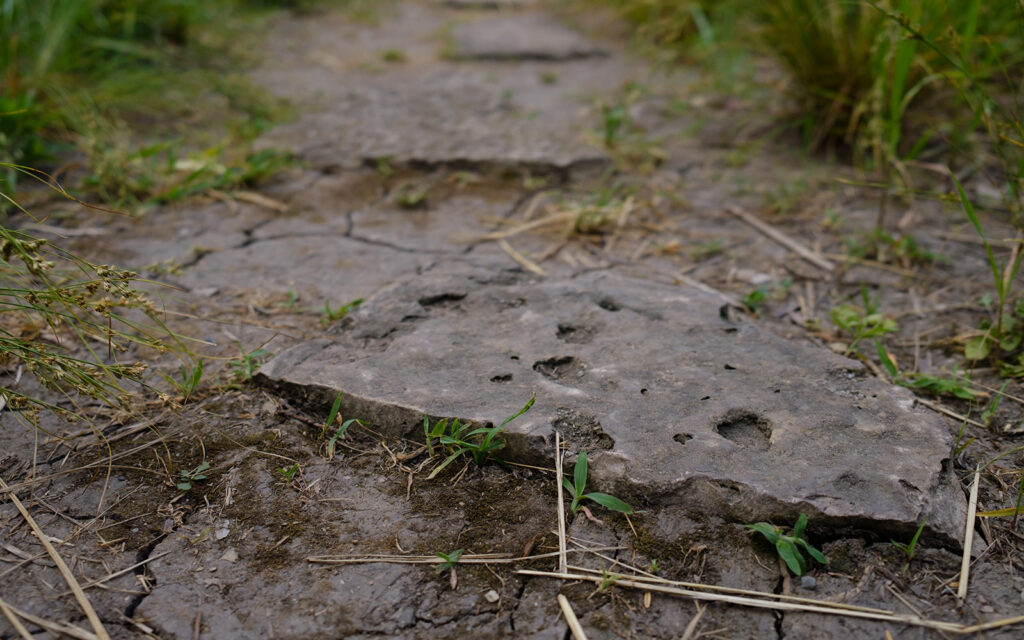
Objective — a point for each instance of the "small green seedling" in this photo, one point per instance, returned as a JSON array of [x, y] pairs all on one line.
[[193, 475], [409, 197], [789, 546], [190, 378], [293, 299], [393, 55], [910, 549], [342, 428], [244, 367], [607, 580], [289, 472], [330, 316], [654, 565], [863, 322], [481, 443], [613, 119], [579, 483], [957, 386], [384, 168], [450, 560]]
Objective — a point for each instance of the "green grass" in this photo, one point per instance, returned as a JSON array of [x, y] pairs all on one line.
[[457, 439], [578, 485], [124, 83], [790, 547]]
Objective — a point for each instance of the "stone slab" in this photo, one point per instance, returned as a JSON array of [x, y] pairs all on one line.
[[486, 4], [430, 119], [528, 36], [676, 404]]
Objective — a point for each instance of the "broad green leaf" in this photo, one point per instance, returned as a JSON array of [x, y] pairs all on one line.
[[184, 486], [765, 529], [335, 408], [790, 555], [887, 362], [610, 502], [978, 347], [817, 555], [1010, 341], [568, 486], [580, 472], [801, 524]]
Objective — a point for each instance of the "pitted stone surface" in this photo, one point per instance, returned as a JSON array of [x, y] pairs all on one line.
[[674, 402], [520, 37]]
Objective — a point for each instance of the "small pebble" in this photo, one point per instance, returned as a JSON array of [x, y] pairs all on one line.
[[809, 583], [230, 555], [491, 596], [222, 533]]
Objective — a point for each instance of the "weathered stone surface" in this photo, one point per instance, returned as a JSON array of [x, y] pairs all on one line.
[[674, 403], [529, 114], [486, 4], [529, 36], [319, 267]]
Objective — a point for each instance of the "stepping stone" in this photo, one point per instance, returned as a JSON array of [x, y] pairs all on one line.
[[430, 118], [677, 404], [528, 36], [486, 4]]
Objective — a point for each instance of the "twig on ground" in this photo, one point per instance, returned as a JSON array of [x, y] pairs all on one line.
[[783, 239], [965, 563], [562, 560], [69, 577], [571, 619], [763, 602], [523, 261]]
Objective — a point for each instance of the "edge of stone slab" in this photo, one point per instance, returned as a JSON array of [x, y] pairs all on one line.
[[695, 497]]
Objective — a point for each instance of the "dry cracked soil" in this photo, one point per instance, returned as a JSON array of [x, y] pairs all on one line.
[[457, 171]]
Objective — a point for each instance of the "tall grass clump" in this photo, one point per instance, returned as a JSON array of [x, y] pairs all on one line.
[[110, 77], [70, 323], [861, 82]]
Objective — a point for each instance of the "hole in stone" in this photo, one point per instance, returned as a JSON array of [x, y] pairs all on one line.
[[506, 377], [643, 392], [575, 334], [730, 330], [559, 367], [411, 318], [441, 299], [778, 391], [746, 429], [608, 304], [581, 429], [513, 357], [682, 438], [729, 367], [706, 398]]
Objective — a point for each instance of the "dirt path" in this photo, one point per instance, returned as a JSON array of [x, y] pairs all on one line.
[[421, 140]]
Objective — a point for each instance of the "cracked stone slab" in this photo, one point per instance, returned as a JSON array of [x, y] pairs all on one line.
[[530, 36], [318, 266], [676, 404], [437, 119], [486, 4], [529, 114]]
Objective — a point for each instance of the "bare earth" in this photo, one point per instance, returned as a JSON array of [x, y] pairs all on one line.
[[445, 154]]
